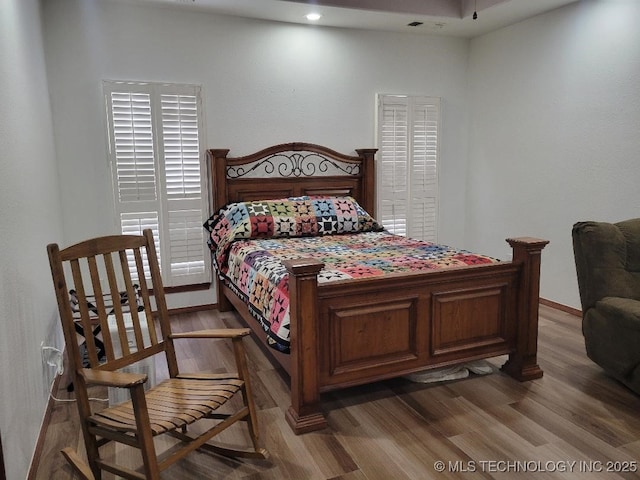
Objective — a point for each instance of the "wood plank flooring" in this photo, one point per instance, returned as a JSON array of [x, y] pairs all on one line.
[[574, 423]]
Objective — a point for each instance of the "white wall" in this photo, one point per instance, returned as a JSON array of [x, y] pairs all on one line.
[[30, 215], [264, 83], [554, 131]]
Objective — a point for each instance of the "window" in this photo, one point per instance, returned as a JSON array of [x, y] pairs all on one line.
[[407, 132], [158, 177]]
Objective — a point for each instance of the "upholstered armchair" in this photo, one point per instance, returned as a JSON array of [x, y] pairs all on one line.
[[607, 257]]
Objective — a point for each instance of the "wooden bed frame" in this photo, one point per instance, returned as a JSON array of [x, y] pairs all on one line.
[[351, 332]]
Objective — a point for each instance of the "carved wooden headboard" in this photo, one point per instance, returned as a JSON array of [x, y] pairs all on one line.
[[292, 169]]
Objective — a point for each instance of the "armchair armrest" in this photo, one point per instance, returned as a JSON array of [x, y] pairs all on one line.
[[213, 333], [626, 311], [113, 379]]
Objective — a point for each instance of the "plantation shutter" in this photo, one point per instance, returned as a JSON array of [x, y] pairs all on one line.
[[407, 165], [423, 178], [393, 162], [158, 178], [182, 166]]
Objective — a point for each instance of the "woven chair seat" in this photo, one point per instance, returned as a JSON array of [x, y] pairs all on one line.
[[172, 404]]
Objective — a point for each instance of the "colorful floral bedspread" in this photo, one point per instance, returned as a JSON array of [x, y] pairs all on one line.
[[254, 268]]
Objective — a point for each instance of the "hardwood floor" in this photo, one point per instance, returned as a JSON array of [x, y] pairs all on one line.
[[575, 422]]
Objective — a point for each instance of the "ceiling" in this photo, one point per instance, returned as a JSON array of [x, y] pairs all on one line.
[[443, 17]]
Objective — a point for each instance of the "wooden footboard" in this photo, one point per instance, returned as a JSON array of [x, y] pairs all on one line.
[[345, 334]]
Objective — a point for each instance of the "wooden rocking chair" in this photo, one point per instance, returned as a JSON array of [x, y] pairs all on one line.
[[103, 271]]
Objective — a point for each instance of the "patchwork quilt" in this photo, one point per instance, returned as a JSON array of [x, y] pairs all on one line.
[[249, 241]]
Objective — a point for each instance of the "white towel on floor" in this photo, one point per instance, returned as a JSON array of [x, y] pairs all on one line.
[[454, 372]]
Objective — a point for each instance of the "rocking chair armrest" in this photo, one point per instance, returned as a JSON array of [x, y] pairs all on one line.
[[112, 379], [213, 333]]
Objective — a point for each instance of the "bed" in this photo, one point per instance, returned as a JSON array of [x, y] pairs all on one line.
[[363, 329]]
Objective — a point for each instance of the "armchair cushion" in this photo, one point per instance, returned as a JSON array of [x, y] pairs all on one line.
[[614, 348], [626, 312]]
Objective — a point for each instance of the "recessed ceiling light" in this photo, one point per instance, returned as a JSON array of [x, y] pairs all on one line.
[[313, 16]]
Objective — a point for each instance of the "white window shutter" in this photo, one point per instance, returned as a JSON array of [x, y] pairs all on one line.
[[184, 197], [134, 224], [424, 178], [133, 146], [408, 130], [393, 161], [181, 145], [159, 179], [186, 248]]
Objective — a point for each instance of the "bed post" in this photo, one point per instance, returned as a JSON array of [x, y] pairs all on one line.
[[523, 362], [218, 171], [304, 414], [368, 192]]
